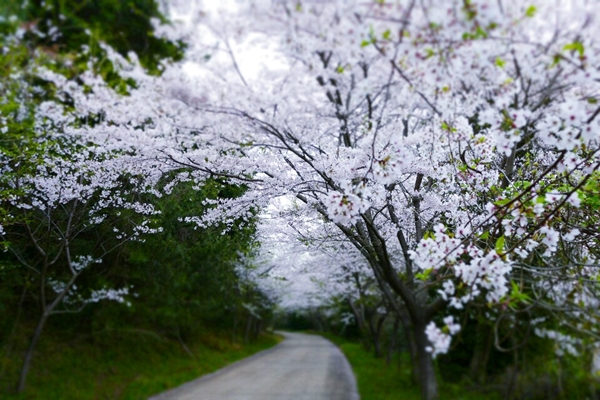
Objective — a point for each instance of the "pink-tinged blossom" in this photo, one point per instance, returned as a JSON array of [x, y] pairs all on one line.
[[440, 339], [447, 289], [345, 208], [491, 208], [571, 235], [574, 200], [464, 231], [551, 238], [390, 166], [440, 342], [482, 273], [538, 208], [569, 161], [520, 117], [554, 197], [508, 227]]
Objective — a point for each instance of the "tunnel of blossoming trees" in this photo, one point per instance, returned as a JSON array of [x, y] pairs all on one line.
[[418, 177]]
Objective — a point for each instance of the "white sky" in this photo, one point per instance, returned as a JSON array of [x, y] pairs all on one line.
[[255, 53]]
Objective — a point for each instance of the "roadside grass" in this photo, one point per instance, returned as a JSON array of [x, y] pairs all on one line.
[[377, 380], [122, 365]]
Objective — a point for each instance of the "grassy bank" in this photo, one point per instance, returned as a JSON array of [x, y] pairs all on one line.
[[122, 365], [378, 380]]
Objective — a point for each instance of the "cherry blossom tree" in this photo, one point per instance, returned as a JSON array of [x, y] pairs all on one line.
[[452, 144], [58, 204], [65, 202]]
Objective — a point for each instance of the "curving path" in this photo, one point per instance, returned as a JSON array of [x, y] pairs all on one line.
[[302, 367]]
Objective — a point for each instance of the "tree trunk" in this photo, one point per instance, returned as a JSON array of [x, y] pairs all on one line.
[[376, 333], [29, 355], [513, 376], [407, 326], [373, 334], [248, 328], [364, 332], [484, 336], [234, 334], [376, 346], [392, 341], [427, 378], [256, 329]]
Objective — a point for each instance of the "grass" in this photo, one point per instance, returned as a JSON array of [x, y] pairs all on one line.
[[379, 381], [123, 365], [376, 379]]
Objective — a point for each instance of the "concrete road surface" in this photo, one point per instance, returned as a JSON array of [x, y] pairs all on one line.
[[302, 367]]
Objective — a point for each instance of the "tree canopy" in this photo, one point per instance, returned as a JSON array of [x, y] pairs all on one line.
[[445, 153]]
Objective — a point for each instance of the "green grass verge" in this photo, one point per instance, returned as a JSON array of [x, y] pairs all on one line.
[[124, 365], [379, 381], [376, 379]]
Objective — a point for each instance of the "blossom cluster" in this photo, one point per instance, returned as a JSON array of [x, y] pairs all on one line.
[[476, 271], [565, 344], [83, 262], [345, 208], [440, 339], [117, 295]]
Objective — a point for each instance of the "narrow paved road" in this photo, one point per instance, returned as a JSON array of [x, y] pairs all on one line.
[[302, 367]]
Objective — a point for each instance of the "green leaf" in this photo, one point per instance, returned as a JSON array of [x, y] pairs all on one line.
[[555, 60], [480, 33], [447, 127], [530, 12], [365, 43], [500, 245], [515, 287], [428, 235], [500, 62], [516, 294], [575, 46], [387, 35], [424, 275], [484, 235]]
